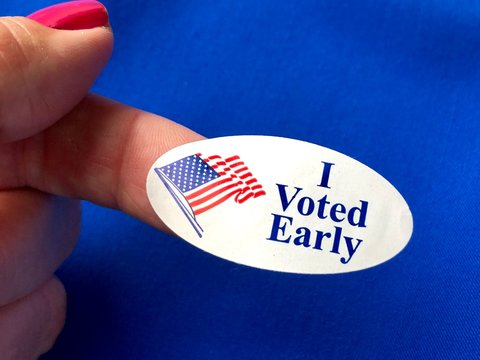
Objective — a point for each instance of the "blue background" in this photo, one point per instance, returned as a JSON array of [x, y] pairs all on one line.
[[394, 84]]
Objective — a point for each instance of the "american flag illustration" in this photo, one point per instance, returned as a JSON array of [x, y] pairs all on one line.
[[199, 183]]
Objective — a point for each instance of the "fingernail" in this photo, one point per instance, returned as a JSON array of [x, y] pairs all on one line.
[[72, 15]]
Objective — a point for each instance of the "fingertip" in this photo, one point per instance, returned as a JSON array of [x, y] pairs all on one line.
[[45, 73], [85, 50]]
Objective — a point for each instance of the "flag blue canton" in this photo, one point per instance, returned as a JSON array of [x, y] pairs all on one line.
[[189, 173]]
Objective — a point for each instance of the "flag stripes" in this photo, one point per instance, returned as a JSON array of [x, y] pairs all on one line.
[[235, 180], [205, 182]]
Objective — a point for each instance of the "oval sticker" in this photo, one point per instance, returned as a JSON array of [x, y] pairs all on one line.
[[279, 204]]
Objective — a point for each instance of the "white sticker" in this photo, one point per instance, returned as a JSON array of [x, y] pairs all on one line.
[[279, 204]]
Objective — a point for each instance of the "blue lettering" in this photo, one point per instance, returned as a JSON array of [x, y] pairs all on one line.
[[303, 238], [362, 214], [283, 195], [279, 227], [337, 209], [351, 250], [319, 238], [336, 240], [326, 174], [308, 210]]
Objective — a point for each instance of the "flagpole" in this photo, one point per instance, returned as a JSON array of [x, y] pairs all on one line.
[[171, 189]]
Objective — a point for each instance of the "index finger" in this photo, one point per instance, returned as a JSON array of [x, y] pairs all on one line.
[[100, 152]]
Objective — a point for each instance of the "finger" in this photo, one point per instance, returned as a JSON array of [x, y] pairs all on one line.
[[29, 326], [37, 232], [101, 152], [45, 72]]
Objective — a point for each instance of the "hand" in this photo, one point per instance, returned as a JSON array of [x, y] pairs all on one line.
[[57, 144]]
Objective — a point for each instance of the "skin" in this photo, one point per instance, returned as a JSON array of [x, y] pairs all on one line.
[[59, 144]]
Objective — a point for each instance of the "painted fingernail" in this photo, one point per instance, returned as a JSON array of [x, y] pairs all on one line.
[[72, 15]]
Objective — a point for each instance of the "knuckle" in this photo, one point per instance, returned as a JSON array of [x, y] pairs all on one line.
[[55, 301], [7, 275]]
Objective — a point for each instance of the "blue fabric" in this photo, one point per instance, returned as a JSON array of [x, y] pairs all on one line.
[[394, 84]]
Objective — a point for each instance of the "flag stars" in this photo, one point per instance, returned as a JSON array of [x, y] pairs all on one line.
[[189, 173], [193, 177]]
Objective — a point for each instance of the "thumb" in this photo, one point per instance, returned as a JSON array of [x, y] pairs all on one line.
[[45, 72]]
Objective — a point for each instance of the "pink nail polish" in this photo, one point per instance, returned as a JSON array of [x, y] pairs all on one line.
[[72, 15]]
